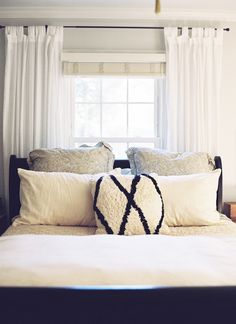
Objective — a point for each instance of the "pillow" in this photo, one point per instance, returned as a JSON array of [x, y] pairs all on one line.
[[86, 159], [145, 160], [127, 205], [56, 198], [190, 200]]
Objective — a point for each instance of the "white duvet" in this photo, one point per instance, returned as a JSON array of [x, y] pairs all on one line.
[[46, 260]]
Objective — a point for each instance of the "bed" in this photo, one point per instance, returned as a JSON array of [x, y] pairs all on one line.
[[123, 282]]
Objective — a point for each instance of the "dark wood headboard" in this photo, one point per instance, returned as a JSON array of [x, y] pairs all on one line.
[[14, 182]]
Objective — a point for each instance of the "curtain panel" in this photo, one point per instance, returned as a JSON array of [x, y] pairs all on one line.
[[35, 112], [193, 64]]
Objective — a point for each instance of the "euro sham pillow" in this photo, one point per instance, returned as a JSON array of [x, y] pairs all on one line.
[[190, 200], [127, 205], [84, 160], [146, 160], [56, 198]]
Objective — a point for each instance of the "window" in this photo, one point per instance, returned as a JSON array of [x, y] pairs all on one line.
[[120, 111]]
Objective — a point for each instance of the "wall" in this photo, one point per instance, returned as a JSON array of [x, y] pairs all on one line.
[[152, 40], [227, 132], [2, 63], [114, 39]]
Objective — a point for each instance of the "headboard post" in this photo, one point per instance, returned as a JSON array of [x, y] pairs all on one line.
[[219, 197], [14, 184]]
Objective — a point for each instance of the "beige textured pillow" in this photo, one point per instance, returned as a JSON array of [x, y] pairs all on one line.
[[56, 198], [127, 205], [86, 159], [145, 160], [190, 200]]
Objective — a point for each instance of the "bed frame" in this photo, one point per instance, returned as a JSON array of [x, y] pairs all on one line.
[[112, 304]]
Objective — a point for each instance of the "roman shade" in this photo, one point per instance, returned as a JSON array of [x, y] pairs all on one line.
[[146, 64]]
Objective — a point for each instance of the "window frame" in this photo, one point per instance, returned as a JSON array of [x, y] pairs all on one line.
[[155, 140]]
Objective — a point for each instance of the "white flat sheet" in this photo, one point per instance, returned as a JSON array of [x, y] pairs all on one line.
[[57, 260]]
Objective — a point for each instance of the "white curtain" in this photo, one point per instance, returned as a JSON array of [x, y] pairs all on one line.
[[194, 61], [161, 118], [36, 111]]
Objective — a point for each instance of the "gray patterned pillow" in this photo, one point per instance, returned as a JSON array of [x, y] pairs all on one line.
[[146, 160], [86, 159]]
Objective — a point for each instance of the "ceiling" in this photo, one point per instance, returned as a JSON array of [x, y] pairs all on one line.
[[129, 10], [170, 4]]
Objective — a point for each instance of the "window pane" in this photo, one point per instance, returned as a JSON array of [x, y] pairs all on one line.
[[87, 120], [141, 120], [119, 150], [114, 120], [77, 145], [114, 90], [148, 145], [87, 90], [141, 90]]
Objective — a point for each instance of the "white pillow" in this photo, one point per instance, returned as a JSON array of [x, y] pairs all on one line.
[[190, 200], [127, 205], [56, 198]]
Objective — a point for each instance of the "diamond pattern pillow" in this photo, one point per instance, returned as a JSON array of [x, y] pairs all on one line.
[[128, 205]]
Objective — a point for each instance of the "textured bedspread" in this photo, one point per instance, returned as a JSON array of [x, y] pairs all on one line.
[[46, 260], [224, 227]]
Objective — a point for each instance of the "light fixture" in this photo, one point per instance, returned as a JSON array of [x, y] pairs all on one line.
[[158, 6]]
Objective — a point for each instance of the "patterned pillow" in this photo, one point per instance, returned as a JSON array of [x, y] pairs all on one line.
[[127, 205], [86, 159], [146, 160]]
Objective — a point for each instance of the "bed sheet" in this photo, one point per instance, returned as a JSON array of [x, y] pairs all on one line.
[[49, 230], [225, 227], [159, 260]]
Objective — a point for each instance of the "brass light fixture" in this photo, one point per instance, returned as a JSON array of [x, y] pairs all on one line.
[[158, 6]]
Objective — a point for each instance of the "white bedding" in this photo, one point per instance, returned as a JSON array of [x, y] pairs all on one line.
[[224, 227], [50, 230], [57, 260]]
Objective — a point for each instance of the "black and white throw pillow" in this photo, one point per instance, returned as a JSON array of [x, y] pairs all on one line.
[[128, 205]]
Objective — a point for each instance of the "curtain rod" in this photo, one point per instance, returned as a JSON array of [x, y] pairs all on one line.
[[118, 27]]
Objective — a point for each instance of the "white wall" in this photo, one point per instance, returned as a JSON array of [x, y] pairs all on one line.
[[114, 39], [152, 40], [2, 63], [227, 134]]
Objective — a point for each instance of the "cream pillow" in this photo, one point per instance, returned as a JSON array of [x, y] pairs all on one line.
[[56, 198], [127, 205], [85, 159], [190, 200], [146, 160]]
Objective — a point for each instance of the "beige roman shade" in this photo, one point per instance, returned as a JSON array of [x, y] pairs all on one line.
[[86, 64]]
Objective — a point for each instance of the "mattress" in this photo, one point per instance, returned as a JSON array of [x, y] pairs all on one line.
[[225, 227]]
